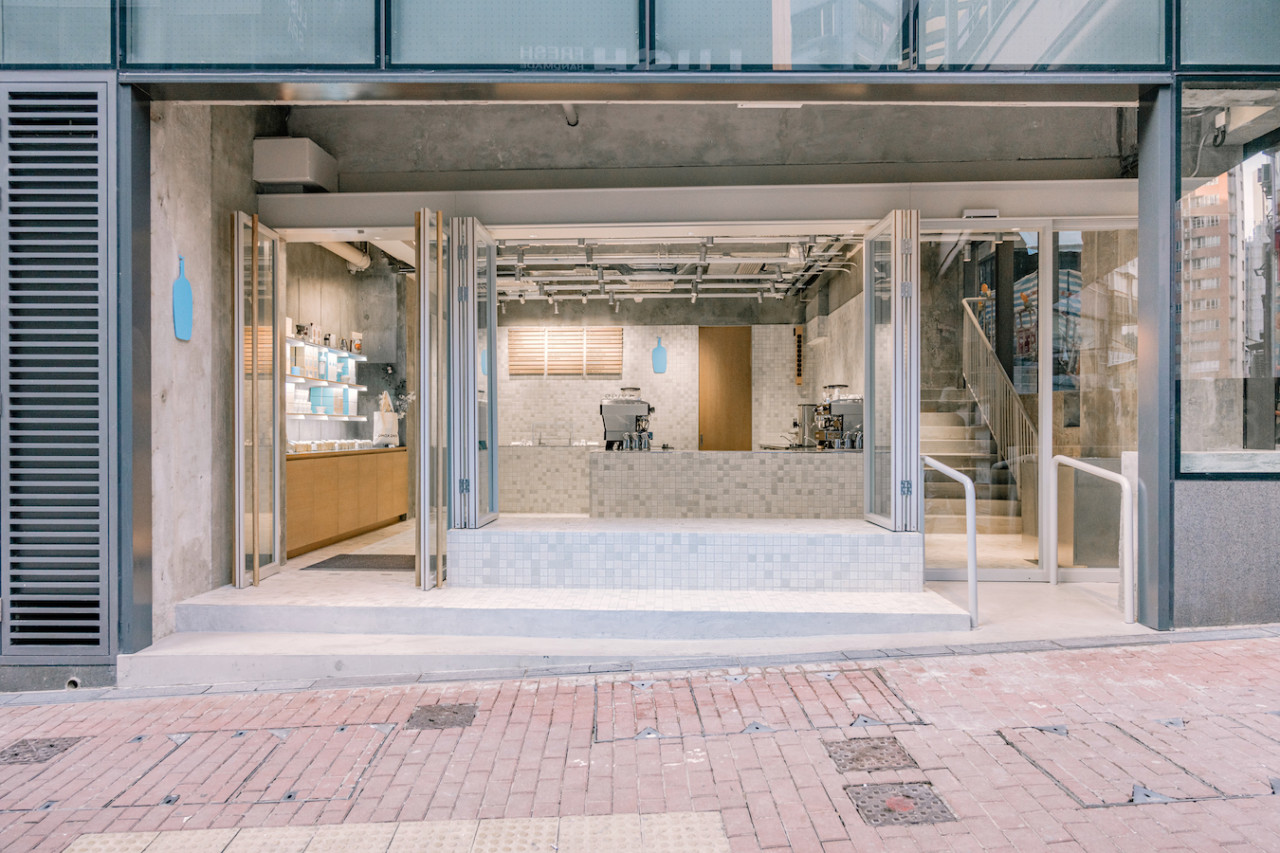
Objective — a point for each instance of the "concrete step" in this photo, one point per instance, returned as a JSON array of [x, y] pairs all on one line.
[[942, 419], [588, 614], [984, 507], [954, 406], [986, 524], [529, 629], [949, 395]]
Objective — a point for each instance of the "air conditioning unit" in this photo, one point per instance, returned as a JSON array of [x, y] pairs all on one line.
[[294, 162]]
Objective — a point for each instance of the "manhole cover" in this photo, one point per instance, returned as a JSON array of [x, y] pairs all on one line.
[[441, 717], [36, 750], [869, 753], [899, 804]]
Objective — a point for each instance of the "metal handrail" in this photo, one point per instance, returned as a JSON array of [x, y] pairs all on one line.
[[1126, 525], [998, 400], [970, 529]]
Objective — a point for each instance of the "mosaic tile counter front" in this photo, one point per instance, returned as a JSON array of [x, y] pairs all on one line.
[[757, 484]]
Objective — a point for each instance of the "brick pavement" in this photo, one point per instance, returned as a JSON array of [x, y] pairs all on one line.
[[1026, 751]]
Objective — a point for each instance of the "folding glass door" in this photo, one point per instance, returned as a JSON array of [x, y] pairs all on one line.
[[891, 439], [473, 320], [258, 262]]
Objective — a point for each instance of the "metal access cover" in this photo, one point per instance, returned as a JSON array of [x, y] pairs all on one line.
[[869, 753], [441, 717], [899, 804], [37, 750]]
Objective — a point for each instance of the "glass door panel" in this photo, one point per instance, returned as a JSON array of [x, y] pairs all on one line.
[[258, 400], [473, 417], [892, 363], [429, 427]]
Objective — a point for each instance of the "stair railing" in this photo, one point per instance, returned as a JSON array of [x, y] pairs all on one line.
[[998, 400]]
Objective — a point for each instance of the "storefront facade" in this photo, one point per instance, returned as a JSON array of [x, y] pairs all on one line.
[[110, 494]]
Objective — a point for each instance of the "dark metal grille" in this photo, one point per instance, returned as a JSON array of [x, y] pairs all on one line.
[[36, 750], [899, 804], [54, 368], [869, 753], [441, 717]]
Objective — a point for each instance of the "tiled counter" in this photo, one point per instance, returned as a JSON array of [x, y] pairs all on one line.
[[748, 484], [543, 479]]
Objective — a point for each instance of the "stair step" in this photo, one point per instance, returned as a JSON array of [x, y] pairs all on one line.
[[983, 491], [945, 446], [983, 474], [984, 507], [932, 432], [987, 524], [941, 419]]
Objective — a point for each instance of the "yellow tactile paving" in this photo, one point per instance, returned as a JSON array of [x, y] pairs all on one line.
[[112, 842], [679, 832]]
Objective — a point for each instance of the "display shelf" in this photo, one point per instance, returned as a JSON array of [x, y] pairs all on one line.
[[310, 382], [297, 342], [308, 416]]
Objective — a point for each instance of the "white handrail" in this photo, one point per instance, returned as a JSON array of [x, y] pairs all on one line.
[[970, 529], [1126, 525], [998, 400]]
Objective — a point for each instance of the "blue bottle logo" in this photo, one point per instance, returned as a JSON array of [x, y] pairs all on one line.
[[183, 303], [659, 358]]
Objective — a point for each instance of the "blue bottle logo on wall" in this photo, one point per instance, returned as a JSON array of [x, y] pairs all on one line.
[[183, 304], [659, 358]]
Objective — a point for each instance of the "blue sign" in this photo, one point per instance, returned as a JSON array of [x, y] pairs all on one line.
[[183, 306]]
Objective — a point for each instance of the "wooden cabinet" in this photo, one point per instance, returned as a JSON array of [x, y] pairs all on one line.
[[333, 496]]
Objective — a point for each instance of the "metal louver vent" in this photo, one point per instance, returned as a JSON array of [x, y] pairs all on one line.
[[54, 368]]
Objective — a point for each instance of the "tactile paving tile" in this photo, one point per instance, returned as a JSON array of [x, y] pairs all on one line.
[[271, 839], [352, 838], [441, 717], [36, 750], [192, 841], [899, 804], [516, 835], [112, 842], [683, 832], [617, 833], [434, 836], [869, 753]]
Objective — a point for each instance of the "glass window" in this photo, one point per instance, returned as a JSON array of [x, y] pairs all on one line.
[[778, 34], [252, 32], [582, 35], [1229, 313], [967, 34], [1230, 32], [55, 32]]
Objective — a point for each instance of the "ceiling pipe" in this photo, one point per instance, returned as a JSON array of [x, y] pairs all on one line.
[[570, 114], [357, 261]]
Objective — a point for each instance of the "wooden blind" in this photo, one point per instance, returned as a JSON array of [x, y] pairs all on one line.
[[594, 351]]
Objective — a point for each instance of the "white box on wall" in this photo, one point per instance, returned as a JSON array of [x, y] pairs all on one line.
[[300, 162]]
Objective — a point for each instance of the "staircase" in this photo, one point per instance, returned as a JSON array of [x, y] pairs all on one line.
[[952, 431]]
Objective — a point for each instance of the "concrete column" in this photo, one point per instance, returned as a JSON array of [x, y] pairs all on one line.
[[1157, 182]]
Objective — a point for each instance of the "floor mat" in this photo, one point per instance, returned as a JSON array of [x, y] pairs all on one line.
[[365, 563]]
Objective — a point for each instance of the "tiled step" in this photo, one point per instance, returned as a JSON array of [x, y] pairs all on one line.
[[984, 507], [986, 524]]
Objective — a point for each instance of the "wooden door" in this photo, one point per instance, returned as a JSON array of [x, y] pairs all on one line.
[[724, 388]]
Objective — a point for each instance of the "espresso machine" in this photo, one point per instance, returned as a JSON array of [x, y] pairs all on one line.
[[626, 421], [838, 420]]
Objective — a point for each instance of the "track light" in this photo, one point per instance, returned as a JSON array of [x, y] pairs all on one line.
[[555, 307], [693, 298], [616, 306], [551, 299], [521, 298], [584, 297], [759, 298]]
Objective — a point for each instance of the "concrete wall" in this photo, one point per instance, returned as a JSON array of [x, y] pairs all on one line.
[[514, 146], [201, 174], [320, 289], [1226, 553]]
